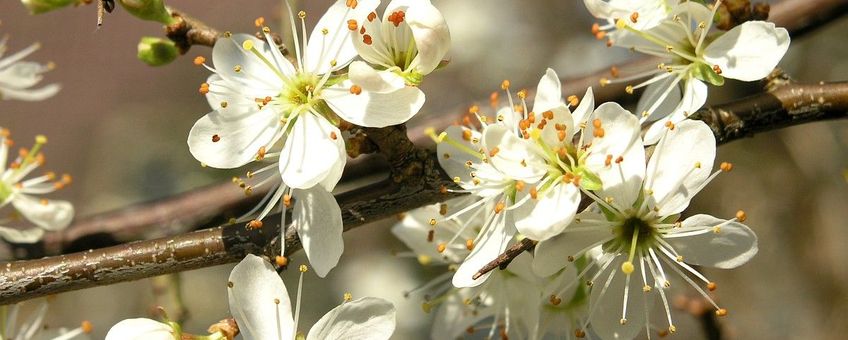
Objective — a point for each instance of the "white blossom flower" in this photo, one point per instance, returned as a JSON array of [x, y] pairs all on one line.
[[260, 305], [644, 14], [677, 88], [45, 214], [406, 45], [266, 108], [638, 229], [142, 329], [32, 327], [17, 76], [495, 166], [582, 152]]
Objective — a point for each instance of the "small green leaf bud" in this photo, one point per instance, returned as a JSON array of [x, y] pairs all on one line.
[[155, 51]]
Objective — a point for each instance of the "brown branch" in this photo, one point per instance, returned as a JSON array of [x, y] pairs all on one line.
[[188, 31], [503, 260]]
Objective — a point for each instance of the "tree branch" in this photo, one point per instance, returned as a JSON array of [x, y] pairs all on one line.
[[787, 105]]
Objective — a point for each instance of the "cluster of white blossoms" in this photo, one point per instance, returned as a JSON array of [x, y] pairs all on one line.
[[287, 115], [528, 173], [18, 76], [679, 33], [20, 194]]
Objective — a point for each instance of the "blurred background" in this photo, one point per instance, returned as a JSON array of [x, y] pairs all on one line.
[[119, 127]]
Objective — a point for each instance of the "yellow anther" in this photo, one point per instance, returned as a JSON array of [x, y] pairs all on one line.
[[432, 221], [672, 329], [301, 14], [504, 84], [555, 300], [348, 297], [424, 260], [627, 267], [40, 139], [622, 321], [303, 268], [620, 24], [247, 44], [628, 89], [646, 288]]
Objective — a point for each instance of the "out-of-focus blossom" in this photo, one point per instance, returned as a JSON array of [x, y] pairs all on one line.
[[19, 77], [20, 193], [31, 326]]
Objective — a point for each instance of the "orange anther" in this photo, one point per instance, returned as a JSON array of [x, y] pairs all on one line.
[[716, 69], [441, 247], [333, 135], [469, 244], [596, 28], [474, 109], [199, 60], [619, 159], [573, 100], [259, 22], [596, 123], [281, 261], [721, 312], [614, 72], [431, 234], [499, 207], [599, 132], [634, 17], [494, 151], [712, 286], [372, 16], [351, 25], [466, 135], [608, 161], [741, 216], [548, 114], [287, 200], [367, 39], [86, 327], [504, 84], [561, 135], [726, 167], [254, 224], [355, 89], [519, 185], [351, 4], [260, 154]]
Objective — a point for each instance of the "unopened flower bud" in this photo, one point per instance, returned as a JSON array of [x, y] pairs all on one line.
[[44, 6], [157, 51], [152, 10]]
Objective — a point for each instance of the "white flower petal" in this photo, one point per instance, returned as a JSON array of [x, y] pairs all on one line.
[[514, 156], [621, 181], [749, 51], [453, 158], [547, 216], [374, 109], [318, 219], [22, 75], [489, 244], [552, 255], [413, 229], [55, 215], [681, 162], [246, 70], [259, 301], [336, 45], [370, 43], [653, 93], [240, 137], [454, 317], [140, 329], [606, 320], [13, 235], [730, 247], [310, 153], [562, 116], [366, 318], [431, 34], [548, 92], [372, 80], [31, 95]]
